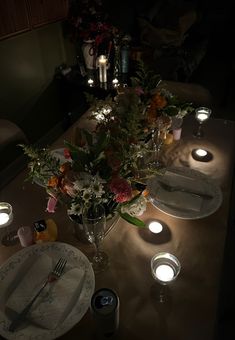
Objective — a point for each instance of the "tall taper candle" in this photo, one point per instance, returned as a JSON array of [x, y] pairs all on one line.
[[102, 63]]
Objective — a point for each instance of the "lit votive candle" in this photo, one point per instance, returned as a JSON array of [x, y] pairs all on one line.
[[202, 114], [202, 155], [164, 273], [115, 82], [6, 215], [155, 227], [102, 64], [201, 152], [165, 267], [90, 82]]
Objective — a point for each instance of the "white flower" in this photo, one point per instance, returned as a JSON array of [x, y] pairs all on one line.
[[75, 209], [136, 208]]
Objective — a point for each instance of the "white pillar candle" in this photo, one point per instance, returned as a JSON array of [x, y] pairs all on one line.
[[202, 114], [164, 273], [102, 64], [155, 227]]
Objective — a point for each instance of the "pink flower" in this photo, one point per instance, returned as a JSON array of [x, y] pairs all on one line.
[[139, 91], [51, 204], [121, 188], [67, 154]]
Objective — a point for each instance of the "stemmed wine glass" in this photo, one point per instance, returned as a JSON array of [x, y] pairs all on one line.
[[202, 114], [158, 135], [165, 268], [94, 222]]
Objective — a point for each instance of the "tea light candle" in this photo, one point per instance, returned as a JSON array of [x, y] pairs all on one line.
[[201, 155], [115, 82], [6, 215], [90, 82], [155, 227], [164, 273], [201, 152], [202, 114], [102, 64]]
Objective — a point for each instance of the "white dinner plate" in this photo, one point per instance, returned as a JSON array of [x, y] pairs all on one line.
[[10, 274], [199, 181]]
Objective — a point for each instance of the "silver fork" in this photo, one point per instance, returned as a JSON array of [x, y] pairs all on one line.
[[52, 276], [171, 188]]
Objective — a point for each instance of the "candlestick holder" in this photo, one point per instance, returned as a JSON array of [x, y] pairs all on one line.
[[202, 114], [102, 64]]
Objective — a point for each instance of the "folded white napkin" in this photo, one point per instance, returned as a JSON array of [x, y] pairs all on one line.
[[177, 199], [56, 300], [192, 183]]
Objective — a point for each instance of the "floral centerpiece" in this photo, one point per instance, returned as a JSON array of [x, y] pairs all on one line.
[[101, 167], [88, 21]]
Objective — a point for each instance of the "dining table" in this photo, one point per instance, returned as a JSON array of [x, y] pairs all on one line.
[[190, 309]]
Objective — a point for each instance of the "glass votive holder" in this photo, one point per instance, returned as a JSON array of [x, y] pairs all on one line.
[[202, 114], [6, 214], [165, 267]]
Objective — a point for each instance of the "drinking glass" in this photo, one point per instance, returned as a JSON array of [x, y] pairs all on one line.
[[158, 135], [8, 235], [165, 268], [202, 114], [94, 222]]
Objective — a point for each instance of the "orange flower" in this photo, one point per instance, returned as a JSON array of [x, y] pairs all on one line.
[[159, 101], [53, 182], [65, 167]]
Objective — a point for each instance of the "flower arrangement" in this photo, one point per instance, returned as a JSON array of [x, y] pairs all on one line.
[[101, 167], [88, 20]]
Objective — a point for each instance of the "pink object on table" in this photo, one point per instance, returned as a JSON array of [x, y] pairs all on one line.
[[177, 134], [26, 236]]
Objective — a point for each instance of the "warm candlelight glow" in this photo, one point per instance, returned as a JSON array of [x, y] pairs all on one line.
[[165, 267], [202, 155], [102, 59], [115, 82], [4, 218], [102, 64], [90, 82], [164, 273], [6, 215], [201, 152], [202, 114], [155, 227]]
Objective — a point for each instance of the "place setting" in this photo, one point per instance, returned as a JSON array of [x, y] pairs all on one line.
[[184, 193], [57, 279]]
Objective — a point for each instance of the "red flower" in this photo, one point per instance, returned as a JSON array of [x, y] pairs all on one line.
[[121, 188], [67, 154]]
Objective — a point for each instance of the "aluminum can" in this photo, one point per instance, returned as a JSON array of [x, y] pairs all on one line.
[[105, 311]]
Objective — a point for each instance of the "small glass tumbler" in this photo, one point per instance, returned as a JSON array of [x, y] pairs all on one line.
[[202, 114], [6, 218], [165, 268]]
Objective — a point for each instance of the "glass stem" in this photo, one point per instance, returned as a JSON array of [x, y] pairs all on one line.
[[97, 249]]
